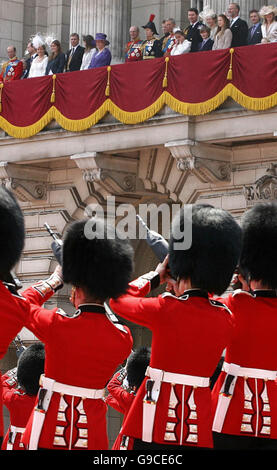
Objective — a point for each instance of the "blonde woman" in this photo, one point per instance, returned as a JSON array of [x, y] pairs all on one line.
[[269, 26], [209, 18], [223, 37]]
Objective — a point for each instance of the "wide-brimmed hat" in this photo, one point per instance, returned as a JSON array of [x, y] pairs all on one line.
[[266, 10], [101, 37], [151, 25], [207, 13]]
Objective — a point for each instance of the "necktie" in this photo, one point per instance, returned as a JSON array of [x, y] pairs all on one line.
[[70, 57], [253, 30]]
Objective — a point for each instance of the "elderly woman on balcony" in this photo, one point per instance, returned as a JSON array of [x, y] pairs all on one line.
[[103, 57], [269, 26]]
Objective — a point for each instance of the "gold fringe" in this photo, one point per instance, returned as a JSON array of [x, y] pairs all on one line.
[[53, 95], [192, 109], [107, 91], [230, 71], [28, 131], [165, 74], [1, 88]]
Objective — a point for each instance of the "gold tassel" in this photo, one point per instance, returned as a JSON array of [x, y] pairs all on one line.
[[53, 95], [107, 91], [230, 71], [165, 74], [1, 88]]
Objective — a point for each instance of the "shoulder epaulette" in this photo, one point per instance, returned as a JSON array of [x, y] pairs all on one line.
[[113, 318], [12, 289], [61, 312], [216, 303]]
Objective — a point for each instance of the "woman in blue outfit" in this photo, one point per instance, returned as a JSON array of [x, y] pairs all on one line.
[[103, 57]]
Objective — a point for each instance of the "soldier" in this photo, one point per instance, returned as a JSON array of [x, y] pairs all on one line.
[[170, 40], [13, 68], [192, 32], [189, 331], [20, 387], [123, 388], [83, 350], [151, 48], [133, 47], [245, 395], [12, 305]]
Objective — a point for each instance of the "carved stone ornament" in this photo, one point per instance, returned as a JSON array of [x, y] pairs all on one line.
[[210, 164], [264, 189], [27, 182]]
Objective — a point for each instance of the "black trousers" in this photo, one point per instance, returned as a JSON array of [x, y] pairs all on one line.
[[232, 442]]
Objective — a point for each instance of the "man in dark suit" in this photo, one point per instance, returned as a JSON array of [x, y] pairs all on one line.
[[255, 31], [192, 33], [238, 26], [33, 54], [207, 42], [75, 55]]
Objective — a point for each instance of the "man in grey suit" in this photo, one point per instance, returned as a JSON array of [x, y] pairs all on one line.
[[255, 31]]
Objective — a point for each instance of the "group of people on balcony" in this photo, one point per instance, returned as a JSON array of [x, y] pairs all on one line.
[[40, 62], [207, 30]]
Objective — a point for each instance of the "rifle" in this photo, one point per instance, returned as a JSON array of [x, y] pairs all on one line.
[[156, 241], [56, 245], [19, 345]]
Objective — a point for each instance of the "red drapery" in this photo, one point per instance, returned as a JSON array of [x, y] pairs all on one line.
[[190, 84]]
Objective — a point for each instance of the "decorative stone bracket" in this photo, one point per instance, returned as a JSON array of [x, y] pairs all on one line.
[[209, 163], [264, 189], [113, 174], [27, 182]]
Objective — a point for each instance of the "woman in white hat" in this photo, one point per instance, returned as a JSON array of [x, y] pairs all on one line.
[[209, 18], [269, 26]]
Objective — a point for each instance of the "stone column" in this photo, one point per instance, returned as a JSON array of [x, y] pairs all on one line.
[[112, 17], [220, 6]]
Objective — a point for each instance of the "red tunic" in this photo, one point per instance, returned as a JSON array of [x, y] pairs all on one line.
[[133, 51], [81, 351], [253, 407], [20, 406], [13, 312], [121, 400], [188, 337]]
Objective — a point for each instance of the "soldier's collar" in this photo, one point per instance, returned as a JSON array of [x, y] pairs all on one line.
[[195, 293], [270, 293], [91, 308]]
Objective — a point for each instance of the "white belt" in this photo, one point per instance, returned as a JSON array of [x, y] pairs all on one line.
[[180, 379], [223, 400], [233, 369], [91, 393], [52, 386], [16, 429], [158, 376]]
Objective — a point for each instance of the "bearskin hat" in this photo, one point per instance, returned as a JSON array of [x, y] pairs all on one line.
[[12, 231], [259, 254], [96, 259], [136, 366], [30, 367], [210, 247]]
